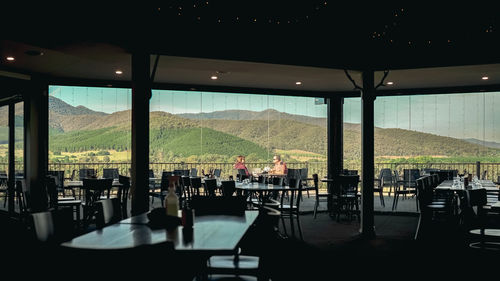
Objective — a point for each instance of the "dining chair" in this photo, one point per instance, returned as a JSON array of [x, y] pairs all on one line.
[[483, 235], [210, 187], [107, 212], [94, 189], [320, 196], [292, 209], [123, 194]]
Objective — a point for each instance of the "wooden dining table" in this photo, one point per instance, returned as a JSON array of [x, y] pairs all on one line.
[[214, 234]]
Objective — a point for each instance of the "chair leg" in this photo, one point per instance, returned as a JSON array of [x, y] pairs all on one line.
[[382, 198], [315, 207], [394, 201]]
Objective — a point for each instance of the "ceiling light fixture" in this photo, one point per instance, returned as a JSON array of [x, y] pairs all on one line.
[[10, 58], [298, 83], [213, 77], [390, 83], [485, 78], [119, 72]]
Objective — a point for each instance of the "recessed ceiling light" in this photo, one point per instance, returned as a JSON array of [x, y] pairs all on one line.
[[213, 77], [485, 78], [390, 83], [298, 83], [119, 72], [10, 58]]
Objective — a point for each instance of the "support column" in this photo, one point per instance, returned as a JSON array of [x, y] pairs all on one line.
[[367, 153], [141, 93], [36, 127], [335, 135], [11, 181]]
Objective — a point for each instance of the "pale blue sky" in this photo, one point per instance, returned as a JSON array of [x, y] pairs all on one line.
[[470, 115]]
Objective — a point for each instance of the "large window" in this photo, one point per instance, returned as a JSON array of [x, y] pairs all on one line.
[[208, 130], [89, 127], [441, 131]]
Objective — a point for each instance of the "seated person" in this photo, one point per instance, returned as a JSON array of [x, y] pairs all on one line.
[[240, 165], [279, 166]]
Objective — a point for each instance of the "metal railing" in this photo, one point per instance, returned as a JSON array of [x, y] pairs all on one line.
[[320, 168]]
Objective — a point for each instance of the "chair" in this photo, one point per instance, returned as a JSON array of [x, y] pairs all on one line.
[[195, 185], [406, 186], [87, 173], [242, 174], [56, 202], [345, 190], [320, 197], [228, 188], [107, 212], [123, 193], [430, 210], [163, 189], [110, 173], [94, 188], [210, 187], [217, 173], [292, 210], [50, 228], [385, 179], [488, 236], [193, 172]]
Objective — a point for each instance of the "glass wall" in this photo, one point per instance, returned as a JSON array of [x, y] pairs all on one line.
[[449, 131], [89, 127], [208, 130]]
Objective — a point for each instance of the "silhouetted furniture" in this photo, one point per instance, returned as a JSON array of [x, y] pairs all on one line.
[[210, 187], [193, 172], [195, 185], [242, 174], [432, 212], [110, 173], [162, 192], [385, 179], [57, 202], [87, 173], [482, 236], [406, 186], [228, 188], [123, 193], [107, 212], [347, 196], [52, 227], [292, 210], [320, 197], [94, 189]]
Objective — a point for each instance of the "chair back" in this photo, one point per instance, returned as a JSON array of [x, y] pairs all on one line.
[[107, 212], [123, 192], [345, 185], [277, 180], [410, 176], [228, 188], [195, 185], [43, 226], [211, 186], [110, 173], [87, 173], [217, 173], [193, 172], [386, 176]]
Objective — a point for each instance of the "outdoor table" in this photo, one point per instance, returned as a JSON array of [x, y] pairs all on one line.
[[262, 188]]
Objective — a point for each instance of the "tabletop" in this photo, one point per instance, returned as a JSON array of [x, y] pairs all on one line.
[[486, 184], [80, 183], [219, 233], [256, 186]]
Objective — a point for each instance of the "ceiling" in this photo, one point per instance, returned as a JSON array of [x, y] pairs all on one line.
[[97, 61], [249, 45]]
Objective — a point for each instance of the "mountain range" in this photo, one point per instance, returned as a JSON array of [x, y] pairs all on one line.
[[234, 132]]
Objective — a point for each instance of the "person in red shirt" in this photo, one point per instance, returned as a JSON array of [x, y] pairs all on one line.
[[240, 164]]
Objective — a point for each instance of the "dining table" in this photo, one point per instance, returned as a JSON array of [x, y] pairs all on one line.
[[210, 234]]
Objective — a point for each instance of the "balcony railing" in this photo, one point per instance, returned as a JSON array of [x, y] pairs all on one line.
[[320, 168]]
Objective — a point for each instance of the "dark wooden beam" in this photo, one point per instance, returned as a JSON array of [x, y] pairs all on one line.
[[335, 127], [11, 181]]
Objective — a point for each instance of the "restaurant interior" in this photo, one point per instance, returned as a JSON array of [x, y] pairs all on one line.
[[395, 173]]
